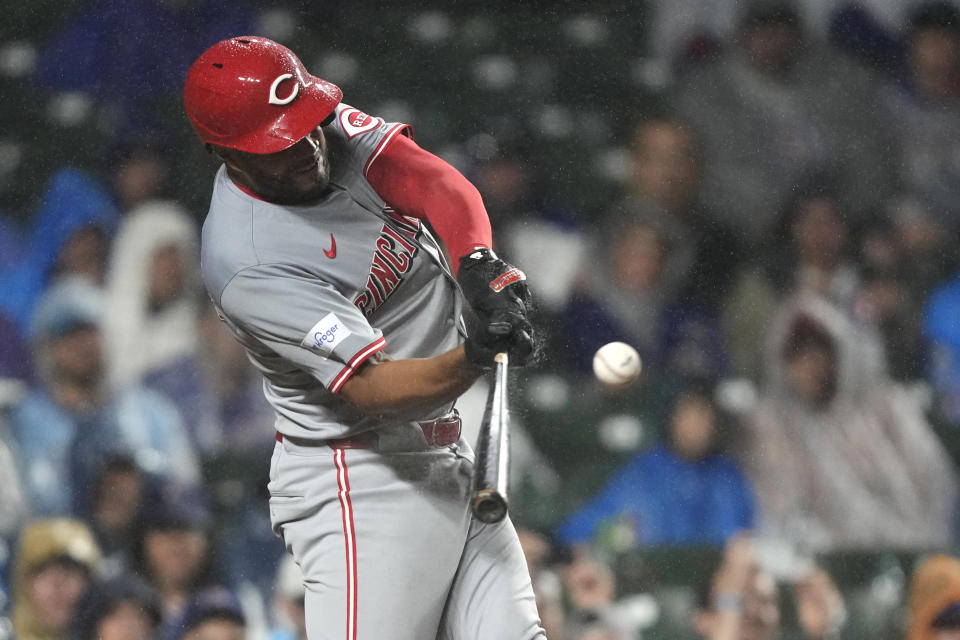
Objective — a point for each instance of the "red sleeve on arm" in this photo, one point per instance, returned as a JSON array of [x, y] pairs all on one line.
[[417, 183]]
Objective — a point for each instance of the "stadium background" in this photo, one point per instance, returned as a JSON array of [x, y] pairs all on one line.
[[556, 88]]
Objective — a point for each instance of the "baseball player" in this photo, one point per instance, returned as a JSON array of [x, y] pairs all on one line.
[[317, 253]]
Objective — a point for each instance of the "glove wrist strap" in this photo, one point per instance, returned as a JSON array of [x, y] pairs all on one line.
[[480, 254]]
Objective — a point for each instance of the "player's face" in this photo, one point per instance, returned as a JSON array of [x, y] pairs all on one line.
[[297, 175]]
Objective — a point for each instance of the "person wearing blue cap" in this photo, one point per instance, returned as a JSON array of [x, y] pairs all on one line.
[[71, 421]]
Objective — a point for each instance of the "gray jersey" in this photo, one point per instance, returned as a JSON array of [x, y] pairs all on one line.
[[313, 291]]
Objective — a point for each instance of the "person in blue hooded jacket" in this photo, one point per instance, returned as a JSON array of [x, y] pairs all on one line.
[[681, 492], [69, 235]]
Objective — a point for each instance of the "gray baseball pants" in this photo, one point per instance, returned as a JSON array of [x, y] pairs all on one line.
[[388, 547]]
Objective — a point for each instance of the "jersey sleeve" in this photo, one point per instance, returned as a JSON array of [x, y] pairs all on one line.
[[363, 137], [303, 319], [379, 164]]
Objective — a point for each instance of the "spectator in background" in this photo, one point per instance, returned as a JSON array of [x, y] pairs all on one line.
[[70, 422], [56, 561], [288, 602], [776, 107], [594, 610], [590, 587], [116, 497], [807, 252], [890, 299], [683, 492], [153, 297], [14, 360], [123, 608], [666, 184], [543, 557], [942, 333], [69, 236], [631, 291], [924, 107], [934, 600], [741, 601], [13, 512], [213, 613], [930, 253], [219, 393], [13, 507], [839, 455], [173, 549], [139, 171]]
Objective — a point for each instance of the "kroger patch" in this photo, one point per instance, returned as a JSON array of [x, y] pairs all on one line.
[[324, 337]]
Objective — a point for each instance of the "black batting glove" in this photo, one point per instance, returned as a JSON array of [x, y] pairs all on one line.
[[498, 295], [507, 332], [492, 286]]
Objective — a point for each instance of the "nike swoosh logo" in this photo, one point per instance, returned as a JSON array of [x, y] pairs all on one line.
[[332, 251]]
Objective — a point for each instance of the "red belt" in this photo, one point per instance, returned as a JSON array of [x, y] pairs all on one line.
[[439, 433]]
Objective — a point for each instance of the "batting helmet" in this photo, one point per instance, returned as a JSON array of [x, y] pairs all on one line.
[[255, 95]]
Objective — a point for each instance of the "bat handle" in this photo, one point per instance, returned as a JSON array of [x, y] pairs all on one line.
[[489, 506], [501, 358]]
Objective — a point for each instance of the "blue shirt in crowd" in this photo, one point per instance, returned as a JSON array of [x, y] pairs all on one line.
[[669, 500], [59, 452], [942, 332]]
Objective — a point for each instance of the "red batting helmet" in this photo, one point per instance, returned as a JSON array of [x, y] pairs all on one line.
[[255, 95]]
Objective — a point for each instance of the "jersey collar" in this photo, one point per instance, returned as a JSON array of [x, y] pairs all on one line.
[[246, 191]]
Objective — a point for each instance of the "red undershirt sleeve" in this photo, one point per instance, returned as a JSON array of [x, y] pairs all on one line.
[[417, 183]]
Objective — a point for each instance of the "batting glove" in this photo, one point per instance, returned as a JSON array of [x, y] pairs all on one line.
[[492, 286], [507, 332]]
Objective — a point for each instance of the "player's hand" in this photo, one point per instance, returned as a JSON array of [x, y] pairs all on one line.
[[498, 295], [506, 331], [492, 286]]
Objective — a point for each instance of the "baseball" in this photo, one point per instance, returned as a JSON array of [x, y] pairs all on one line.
[[616, 364]]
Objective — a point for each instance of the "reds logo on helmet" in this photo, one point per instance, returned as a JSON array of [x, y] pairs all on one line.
[[275, 99]]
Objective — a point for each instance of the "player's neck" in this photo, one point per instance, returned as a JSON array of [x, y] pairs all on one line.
[[241, 183]]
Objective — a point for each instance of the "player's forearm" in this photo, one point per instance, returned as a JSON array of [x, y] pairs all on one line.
[[410, 388]]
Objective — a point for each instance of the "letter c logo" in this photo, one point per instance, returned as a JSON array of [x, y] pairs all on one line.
[[274, 99]]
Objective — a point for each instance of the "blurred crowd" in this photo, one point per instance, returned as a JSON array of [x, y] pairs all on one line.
[[780, 245]]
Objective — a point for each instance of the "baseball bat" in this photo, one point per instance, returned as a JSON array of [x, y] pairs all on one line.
[[490, 474]]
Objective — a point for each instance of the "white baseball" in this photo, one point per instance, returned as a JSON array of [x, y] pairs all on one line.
[[616, 364]]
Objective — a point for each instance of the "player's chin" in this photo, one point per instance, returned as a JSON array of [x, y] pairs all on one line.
[[309, 187]]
